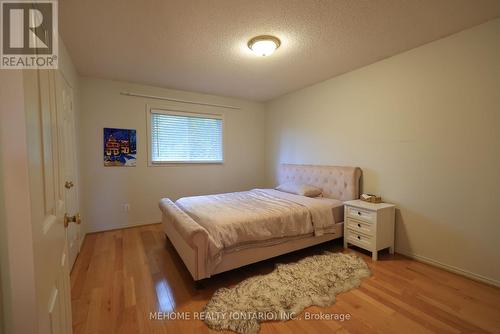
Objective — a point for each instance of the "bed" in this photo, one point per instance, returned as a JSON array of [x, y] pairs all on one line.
[[216, 233]]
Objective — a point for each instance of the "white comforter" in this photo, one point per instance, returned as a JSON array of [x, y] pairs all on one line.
[[234, 219]]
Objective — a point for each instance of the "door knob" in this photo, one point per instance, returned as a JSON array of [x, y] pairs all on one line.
[[68, 184], [72, 219]]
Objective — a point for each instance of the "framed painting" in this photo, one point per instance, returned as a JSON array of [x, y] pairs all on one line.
[[120, 147]]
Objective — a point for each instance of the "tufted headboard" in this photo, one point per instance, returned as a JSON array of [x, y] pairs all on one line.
[[340, 183]]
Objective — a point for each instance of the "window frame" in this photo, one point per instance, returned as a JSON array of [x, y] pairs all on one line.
[[150, 110]]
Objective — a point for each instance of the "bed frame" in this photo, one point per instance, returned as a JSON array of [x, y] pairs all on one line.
[[191, 240]]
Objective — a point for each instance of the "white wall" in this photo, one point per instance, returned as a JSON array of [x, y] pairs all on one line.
[[425, 128], [106, 189]]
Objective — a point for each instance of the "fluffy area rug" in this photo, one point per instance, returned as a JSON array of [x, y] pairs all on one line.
[[285, 292]]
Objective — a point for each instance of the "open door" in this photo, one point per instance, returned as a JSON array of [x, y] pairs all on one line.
[[66, 115], [46, 136]]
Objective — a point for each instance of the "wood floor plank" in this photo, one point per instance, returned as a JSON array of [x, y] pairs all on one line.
[[122, 277]]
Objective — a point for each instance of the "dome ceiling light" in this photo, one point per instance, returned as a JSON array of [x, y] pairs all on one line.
[[264, 45]]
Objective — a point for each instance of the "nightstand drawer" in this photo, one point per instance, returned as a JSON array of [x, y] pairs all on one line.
[[359, 239], [359, 226], [368, 216]]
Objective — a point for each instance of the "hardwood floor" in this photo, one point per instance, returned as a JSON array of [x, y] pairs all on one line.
[[121, 276]]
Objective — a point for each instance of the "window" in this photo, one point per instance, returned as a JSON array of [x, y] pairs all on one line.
[[185, 137]]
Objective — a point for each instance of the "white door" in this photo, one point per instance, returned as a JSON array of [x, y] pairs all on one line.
[[45, 135], [64, 99]]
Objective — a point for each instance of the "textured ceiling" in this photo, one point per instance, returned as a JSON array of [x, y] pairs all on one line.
[[201, 45]]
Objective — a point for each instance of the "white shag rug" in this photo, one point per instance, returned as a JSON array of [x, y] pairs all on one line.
[[284, 292]]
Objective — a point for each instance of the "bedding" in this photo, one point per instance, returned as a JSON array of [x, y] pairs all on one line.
[[235, 219], [273, 242], [337, 208], [300, 189]]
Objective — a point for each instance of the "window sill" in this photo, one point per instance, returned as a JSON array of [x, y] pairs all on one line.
[[176, 163]]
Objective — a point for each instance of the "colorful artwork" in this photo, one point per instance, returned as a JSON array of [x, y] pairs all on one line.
[[120, 147]]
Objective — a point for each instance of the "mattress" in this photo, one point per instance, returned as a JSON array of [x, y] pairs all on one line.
[[257, 215], [235, 220], [272, 242], [338, 216]]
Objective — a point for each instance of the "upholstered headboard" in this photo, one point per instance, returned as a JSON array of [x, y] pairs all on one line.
[[341, 183]]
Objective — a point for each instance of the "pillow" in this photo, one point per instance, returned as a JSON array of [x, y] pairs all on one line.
[[300, 189]]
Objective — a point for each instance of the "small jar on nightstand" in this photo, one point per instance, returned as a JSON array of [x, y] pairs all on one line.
[[369, 226]]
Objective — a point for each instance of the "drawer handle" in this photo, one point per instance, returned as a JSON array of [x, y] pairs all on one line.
[[359, 237], [359, 225]]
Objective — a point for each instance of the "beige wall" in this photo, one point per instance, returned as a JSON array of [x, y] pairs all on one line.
[[106, 189], [425, 128]]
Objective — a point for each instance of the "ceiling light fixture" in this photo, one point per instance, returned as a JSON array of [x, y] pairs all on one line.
[[264, 45]]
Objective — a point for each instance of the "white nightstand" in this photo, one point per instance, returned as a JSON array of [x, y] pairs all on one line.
[[369, 226]]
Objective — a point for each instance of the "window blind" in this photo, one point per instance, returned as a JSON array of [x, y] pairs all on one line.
[[184, 137]]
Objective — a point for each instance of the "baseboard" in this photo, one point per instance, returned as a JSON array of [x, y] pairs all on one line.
[[449, 268], [95, 229]]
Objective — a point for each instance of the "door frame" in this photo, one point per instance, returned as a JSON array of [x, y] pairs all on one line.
[[17, 258]]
